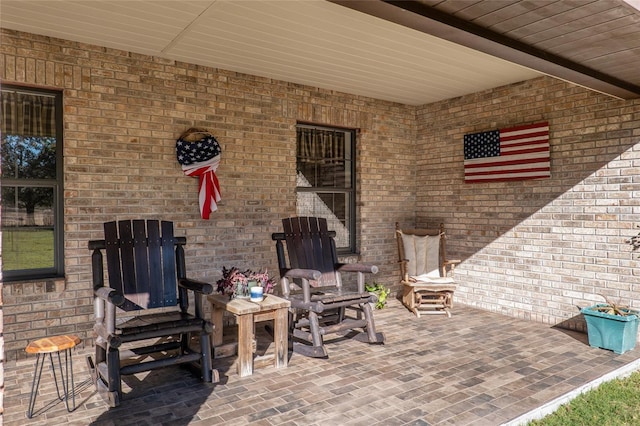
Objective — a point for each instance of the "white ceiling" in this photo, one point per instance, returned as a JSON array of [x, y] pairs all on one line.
[[311, 42]]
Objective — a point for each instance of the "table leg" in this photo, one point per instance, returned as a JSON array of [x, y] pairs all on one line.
[[245, 344], [216, 319], [280, 337]]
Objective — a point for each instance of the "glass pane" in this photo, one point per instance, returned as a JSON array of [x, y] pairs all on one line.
[[27, 228], [324, 158], [306, 176], [28, 157], [332, 206], [332, 174]]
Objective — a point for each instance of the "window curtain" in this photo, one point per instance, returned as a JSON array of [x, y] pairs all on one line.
[[28, 115], [320, 146]]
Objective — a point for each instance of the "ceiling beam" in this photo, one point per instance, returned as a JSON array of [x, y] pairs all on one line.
[[426, 19]]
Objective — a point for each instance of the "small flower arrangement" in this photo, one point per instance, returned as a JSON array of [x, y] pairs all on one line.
[[235, 282]]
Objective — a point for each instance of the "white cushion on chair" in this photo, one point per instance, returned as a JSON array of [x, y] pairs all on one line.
[[423, 254], [426, 278]]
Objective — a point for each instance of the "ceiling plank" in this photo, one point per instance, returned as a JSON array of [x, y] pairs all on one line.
[[421, 17]]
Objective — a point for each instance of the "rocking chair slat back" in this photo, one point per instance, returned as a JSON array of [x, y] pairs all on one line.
[[127, 259], [328, 249], [141, 262], [112, 250], [310, 246], [168, 265], [155, 271], [141, 259]]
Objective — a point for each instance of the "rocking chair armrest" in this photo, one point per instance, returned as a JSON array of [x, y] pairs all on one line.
[[197, 286], [307, 274], [357, 267], [453, 262], [109, 295]]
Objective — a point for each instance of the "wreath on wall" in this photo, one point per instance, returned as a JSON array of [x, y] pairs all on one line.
[[198, 153]]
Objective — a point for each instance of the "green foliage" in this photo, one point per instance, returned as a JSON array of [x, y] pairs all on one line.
[[27, 248], [379, 290], [613, 403], [29, 158]]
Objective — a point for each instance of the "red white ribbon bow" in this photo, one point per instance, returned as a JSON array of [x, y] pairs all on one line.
[[208, 185]]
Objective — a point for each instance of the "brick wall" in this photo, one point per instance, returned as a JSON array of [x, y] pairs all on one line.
[[531, 249], [122, 115], [538, 249]]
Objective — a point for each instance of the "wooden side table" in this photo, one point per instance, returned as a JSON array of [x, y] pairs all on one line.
[[248, 313]]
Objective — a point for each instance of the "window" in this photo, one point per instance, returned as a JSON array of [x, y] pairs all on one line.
[[326, 180], [31, 181]]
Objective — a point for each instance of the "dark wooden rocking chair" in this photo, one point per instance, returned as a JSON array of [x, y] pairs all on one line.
[[146, 270], [426, 273], [318, 306]]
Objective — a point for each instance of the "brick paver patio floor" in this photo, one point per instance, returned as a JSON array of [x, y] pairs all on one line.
[[476, 368]]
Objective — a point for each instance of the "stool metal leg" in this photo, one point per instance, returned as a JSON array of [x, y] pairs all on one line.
[[68, 364], [55, 378], [66, 377], [35, 384]]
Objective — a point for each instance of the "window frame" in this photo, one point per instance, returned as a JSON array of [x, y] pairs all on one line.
[[57, 184], [351, 215]]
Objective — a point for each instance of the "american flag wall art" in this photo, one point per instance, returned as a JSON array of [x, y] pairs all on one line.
[[516, 153]]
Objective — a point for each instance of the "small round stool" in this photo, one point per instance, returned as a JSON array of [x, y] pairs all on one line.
[[49, 346]]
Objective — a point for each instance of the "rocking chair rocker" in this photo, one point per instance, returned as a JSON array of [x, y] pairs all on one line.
[[146, 269], [318, 307]]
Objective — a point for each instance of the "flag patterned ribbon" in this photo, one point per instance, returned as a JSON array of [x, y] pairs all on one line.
[[516, 153], [200, 158]]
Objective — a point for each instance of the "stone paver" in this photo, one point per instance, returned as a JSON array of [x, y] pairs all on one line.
[[476, 368]]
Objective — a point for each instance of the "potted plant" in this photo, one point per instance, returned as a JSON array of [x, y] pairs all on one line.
[[237, 283], [610, 326], [380, 291]]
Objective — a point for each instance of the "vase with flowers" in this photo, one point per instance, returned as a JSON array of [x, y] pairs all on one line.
[[237, 283]]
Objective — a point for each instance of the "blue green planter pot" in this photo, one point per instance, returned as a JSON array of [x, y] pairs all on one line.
[[613, 332]]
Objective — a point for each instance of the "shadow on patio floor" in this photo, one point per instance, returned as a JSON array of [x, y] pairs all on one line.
[[476, 368]]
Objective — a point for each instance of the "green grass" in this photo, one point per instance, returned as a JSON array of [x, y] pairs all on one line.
[[614, 403], [27, 248]]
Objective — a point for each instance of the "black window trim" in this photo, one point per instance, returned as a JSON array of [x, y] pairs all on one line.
[[58, 194], [352, 216]]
